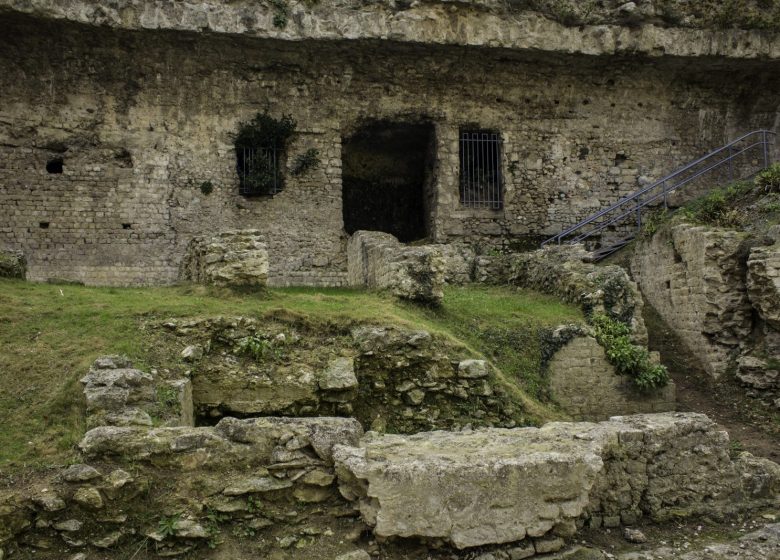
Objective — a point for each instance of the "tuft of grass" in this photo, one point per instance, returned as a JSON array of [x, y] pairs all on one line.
[[51, 334]]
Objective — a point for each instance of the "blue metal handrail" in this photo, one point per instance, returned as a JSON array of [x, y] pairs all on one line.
[[766, 137]]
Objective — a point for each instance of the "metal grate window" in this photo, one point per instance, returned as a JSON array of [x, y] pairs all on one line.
[[480, 170], [258, 171]]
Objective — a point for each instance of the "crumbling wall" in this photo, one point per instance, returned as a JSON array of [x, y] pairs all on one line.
[[230, 258], [140, 179], [694, 276], [553, 478], [378, 261], [587, 387]]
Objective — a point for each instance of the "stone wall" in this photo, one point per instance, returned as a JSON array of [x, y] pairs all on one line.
[[587, 386], [377, 261], [694, 276], [553, 479], [140, 120], [230, 258]]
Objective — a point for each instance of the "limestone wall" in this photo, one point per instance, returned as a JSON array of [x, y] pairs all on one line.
[[587, 387], [142, 119], [695, 278], [378, 261]]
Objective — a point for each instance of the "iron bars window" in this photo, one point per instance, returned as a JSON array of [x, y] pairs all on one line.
[[258, 170], [480, 169]]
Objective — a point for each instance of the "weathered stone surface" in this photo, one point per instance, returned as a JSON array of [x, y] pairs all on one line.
[[338, 376], [433, 484], [80, 473], [566, 272], [378, 260], [192, 353], [256, 441], [763, 282], [230, 258], [117, 395], [256, 485], [69, 525], [49, 501], [89, 497], [481, 22], [12, 264], [587, 386], [693, 276], [472, 369], [660, 465]]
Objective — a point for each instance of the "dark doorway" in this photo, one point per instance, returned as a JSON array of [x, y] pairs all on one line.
[[386, 171]]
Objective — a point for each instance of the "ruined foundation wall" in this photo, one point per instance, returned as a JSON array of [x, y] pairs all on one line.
[[141, 120]]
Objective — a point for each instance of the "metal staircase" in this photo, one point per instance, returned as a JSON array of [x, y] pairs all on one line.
[[736, 160]]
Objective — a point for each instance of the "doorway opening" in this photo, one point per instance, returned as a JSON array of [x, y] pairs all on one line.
[[387, 171]]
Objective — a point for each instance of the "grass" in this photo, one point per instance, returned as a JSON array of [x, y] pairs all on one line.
[[50, 334]]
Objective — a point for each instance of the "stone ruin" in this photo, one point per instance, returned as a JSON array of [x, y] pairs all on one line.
[[719, 290], [518, 492], [490, 126]]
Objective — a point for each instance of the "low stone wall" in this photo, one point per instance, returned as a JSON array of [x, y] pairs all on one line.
[[552, 479], [379, 261], [587, 387], [518, 491], [393, 379], [230, 258]]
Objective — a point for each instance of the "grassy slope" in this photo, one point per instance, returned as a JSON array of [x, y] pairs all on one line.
[[50, 334]]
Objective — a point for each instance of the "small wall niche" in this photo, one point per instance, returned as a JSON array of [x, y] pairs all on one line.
[[54, 166]]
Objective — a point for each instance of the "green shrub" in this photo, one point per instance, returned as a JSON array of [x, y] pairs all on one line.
[[627, 357], [769, 179]]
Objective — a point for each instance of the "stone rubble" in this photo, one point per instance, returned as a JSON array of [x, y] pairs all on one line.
[[230, 258]]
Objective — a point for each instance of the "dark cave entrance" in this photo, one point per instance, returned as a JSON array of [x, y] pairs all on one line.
[[387, 171]]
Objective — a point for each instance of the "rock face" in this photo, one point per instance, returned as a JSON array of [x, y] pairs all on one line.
[[478, 23], [587, 386], [435, 484], [230, 258], [12, 264], [763, 282], [693, 276], [379, 261]]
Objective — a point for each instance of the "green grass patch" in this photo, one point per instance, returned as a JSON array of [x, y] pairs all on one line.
[[50, 334], [508, 326]]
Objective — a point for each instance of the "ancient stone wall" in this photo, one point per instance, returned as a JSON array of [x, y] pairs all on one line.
[[377, 260], [552, 479], [587, 386], [694, 276], [141, 121]]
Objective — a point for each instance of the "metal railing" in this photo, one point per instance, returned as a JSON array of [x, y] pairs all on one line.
[[630, 207]]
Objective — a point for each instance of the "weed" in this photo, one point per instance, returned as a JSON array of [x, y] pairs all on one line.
[[206, 187], [735, 448], [769, 179], [167, 525], [306, 161]]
